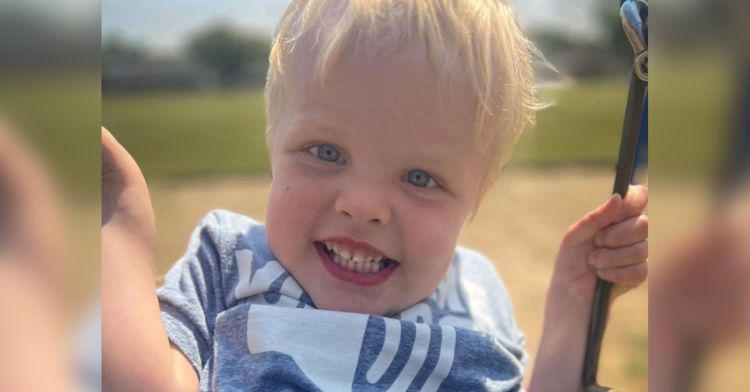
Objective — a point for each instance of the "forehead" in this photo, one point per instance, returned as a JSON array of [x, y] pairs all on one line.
[[380, 89]]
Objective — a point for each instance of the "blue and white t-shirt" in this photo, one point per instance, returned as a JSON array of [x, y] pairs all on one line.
[[245, 324]]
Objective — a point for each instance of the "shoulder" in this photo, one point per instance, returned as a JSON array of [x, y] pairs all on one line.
[[227, 223], [477, 270], [229, 231], [223, 245], [474, 262], [488, 298], [215, 244]]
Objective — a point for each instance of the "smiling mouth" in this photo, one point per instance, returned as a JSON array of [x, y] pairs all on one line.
[[356, 266]]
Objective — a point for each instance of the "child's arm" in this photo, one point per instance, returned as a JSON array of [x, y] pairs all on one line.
[[610, 243], [136, 352]]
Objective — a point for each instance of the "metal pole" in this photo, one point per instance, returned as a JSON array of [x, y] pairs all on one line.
[[634, 17]]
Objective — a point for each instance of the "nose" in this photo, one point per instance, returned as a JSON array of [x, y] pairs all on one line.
[[364, 204]]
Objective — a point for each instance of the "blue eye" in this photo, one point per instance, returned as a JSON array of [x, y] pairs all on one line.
[[326, 152], [420, 179]]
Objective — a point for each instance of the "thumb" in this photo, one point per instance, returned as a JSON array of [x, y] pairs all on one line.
[[119, 172], [593, 222], [117, 164]]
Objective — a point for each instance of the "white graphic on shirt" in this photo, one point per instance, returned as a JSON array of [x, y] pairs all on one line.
[[386, 355], [445, 361], [327, 358], [330, 357], [415, 361]]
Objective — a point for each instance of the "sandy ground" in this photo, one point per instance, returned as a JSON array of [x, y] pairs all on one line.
[[519, 226]]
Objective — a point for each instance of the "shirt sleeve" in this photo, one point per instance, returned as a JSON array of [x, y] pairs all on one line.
[[191, 297]]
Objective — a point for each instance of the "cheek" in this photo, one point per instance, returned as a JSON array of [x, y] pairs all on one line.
[[436, 226], [293, 208], [432, 237]]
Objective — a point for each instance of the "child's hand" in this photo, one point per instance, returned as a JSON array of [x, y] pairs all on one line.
[[126, 205], [609, 243]]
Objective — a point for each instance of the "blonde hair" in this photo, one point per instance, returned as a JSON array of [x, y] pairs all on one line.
[[473, 41]]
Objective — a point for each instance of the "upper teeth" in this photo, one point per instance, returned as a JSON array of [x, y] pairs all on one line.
[[355, 260]]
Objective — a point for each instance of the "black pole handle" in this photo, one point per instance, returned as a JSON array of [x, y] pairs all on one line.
[[623, 177], [634, 15]]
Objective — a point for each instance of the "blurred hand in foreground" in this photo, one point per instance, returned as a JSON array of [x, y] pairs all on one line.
[[700, 298], [33, 294], [703, 288]]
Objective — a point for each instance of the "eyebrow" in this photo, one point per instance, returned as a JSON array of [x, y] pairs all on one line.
[[439, 164], [433, 161], [313, 123]]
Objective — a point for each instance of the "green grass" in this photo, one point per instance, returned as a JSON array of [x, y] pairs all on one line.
[[691, 110], [187, 134], [582, 125]]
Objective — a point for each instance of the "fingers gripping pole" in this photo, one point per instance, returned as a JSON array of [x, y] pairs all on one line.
[[634, 15]]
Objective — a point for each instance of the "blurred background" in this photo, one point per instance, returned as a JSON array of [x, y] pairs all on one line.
[[195, 68], [182, 89]]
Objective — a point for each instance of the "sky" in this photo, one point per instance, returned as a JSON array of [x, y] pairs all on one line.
[[164, 24]]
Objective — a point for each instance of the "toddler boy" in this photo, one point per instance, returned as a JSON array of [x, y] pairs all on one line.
[[387, 122]]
